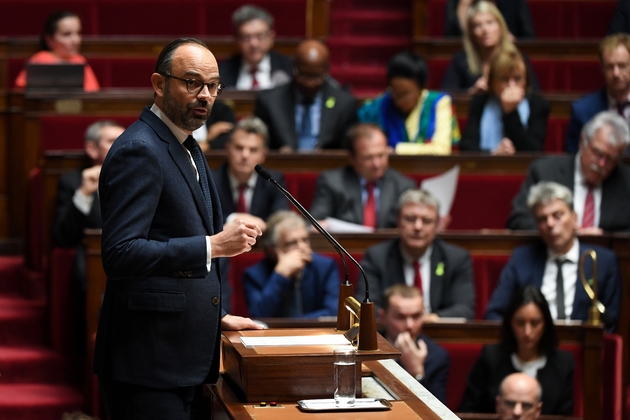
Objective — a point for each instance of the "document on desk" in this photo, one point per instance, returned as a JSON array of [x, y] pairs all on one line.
[[297, 340]]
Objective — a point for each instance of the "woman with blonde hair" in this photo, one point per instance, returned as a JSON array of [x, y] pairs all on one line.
[[485, 35]]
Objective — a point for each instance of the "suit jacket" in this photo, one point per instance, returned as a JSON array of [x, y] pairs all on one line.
[[515, 12], [276, 107], [436, 367], [452, 291], [266, 199], [494, 364], [615, 193], [338, 195], [265, 289], [458, 76], [161, 312], [582, 111], [620, 21], [528, 138], [230, 67], [527, 266], [70, 222]]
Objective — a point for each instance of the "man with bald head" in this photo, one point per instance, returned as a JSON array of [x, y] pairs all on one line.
[[311, 112], [519, 398], [161, 318]]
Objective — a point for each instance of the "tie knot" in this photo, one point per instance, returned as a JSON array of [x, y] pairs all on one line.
[[190, 143], [307, 102], [416, 265], [242, 187], [370, 186], [560, 262]]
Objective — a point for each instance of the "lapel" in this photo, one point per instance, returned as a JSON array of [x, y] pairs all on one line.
[[611, 190], [437, 282], [182, 161], [386, 197], [287, 113], [258, 197], [327, 117], [395, 263], [355, 192], [566, 172], [581, 301]]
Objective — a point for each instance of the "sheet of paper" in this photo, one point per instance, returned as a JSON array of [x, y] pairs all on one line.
[[297, 340], [340, 226], [443, 187]]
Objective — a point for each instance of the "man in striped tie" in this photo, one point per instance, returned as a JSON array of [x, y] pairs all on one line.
[[600, 182]]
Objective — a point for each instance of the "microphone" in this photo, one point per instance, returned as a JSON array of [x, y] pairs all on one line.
[[367, 306]]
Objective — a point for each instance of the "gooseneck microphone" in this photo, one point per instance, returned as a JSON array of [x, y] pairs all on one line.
[[341, 250]]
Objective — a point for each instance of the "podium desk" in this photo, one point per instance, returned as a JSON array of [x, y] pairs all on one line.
[[408, 402]]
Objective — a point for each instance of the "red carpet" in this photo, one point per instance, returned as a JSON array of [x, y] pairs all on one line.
[[35, 383]]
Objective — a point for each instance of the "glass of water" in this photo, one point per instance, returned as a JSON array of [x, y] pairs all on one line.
[[345, 376]]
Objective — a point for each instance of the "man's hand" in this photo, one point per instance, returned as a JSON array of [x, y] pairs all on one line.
[[290, 263], [480, 86], [236, 238], [89, 180], [504, 148], [236, 323], [217, 129], [413, 354], [250, 219]]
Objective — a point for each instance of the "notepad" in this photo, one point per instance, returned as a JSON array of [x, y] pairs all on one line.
[[297, 340]]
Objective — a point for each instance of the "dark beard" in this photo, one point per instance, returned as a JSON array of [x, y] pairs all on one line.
[[184, 119]]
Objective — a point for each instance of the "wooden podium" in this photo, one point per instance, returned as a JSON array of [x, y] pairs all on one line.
[[287, 373]]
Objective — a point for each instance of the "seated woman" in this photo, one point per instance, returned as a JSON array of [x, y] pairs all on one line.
[[515, 12], [528, 345], [414, 119], [60, 43], [486, 35], [509, 118]]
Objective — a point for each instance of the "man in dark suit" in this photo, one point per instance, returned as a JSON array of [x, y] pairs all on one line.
[[620, 21], [244, 195], [366, 191], [596, 176], [257, 66], [312, 111], [402, 317], [614, 56], [161, 317], [292, 280], [553, 263], [443, 272]]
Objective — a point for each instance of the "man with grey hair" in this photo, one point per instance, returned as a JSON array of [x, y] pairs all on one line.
[[519, 397], [441, 271], [552, 264], [292, 280], [257, 66], [245, 195], [600, 182]]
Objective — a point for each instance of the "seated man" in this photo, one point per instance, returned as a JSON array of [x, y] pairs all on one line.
[[292, 280], [553, 263], [366, 191], [245, 195], [257, 66], [519, 397], [441, 271], [614, 56], [599, 180], [312, 112], [402, 317]]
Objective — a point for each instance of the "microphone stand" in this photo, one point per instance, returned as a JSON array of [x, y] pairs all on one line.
[[367, 325]]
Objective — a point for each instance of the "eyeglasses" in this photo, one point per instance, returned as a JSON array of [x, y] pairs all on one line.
[[600, 154], [511, 405], [195, 86], [261, 36]]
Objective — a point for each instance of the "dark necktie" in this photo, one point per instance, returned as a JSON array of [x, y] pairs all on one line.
[[241, 205], [621, 108], [560, 289], [195, 151], [417, 276], [588, 219], [369, 210], [306, 127]]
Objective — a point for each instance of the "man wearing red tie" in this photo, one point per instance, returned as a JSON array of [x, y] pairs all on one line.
[[599, 181], [366, 191], [441, 271]]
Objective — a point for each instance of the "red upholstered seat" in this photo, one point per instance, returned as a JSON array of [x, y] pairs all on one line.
[[486, 273], [26, 17], [302, 186], [612, 390], [67, 132]]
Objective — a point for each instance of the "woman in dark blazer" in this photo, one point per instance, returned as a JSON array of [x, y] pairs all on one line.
[[529, 344], [507, 119]]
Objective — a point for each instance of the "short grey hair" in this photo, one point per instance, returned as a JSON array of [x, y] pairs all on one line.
[[418, 196], [93, 132], [254, 125], [278, 221], [250, 12], [544, 192], [619, 131]]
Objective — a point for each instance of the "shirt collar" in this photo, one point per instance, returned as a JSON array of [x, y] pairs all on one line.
[[179, 134], [264, 65], [234, 184], [573, 255]]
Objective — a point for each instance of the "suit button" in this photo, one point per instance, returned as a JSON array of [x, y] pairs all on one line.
[[215, 301], [188, 273]]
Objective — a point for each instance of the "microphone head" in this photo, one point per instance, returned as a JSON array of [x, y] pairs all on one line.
[[262, 172]]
